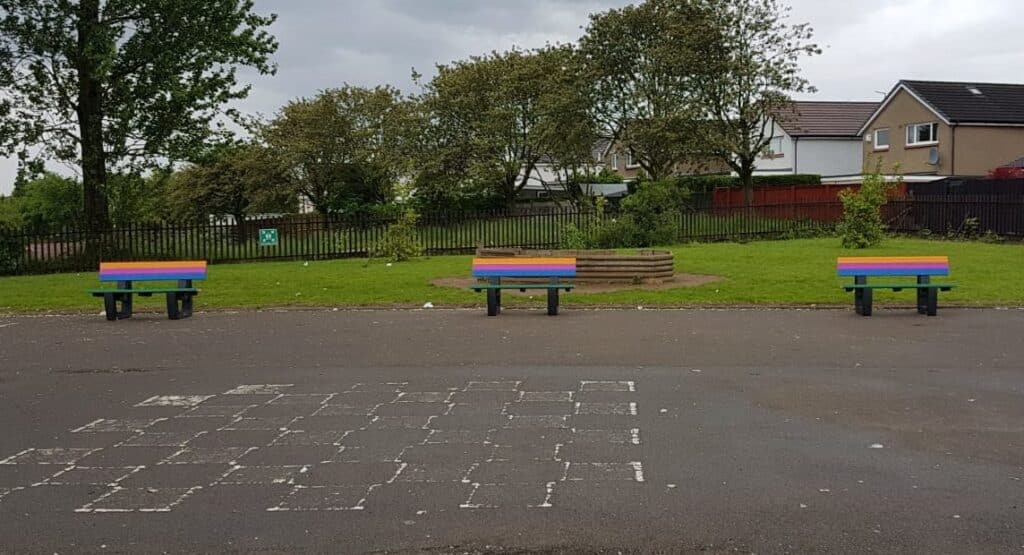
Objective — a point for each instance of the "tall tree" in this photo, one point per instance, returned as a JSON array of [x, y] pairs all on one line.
[[236, 181], [110, 85], [753, 70], [496, 117], [344, 145], [639, 75]]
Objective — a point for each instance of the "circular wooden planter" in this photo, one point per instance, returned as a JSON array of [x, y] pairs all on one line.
[[642, 266]]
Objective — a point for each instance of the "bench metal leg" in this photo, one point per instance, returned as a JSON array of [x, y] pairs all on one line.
[[110, 305], [497, 294], [492, 302], [933, 301], [922, 301], [552, 302]]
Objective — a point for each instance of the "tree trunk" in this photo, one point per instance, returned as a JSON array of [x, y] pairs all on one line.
[[90, 118], [747, 178]]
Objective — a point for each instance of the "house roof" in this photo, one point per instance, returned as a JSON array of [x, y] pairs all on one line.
[[824, 119], [964, 102]]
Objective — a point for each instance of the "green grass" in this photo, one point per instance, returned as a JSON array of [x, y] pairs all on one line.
[[795, 272]]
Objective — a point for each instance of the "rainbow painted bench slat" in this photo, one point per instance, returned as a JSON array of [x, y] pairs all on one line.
[[920, 267], [179, 298], [494, 269]]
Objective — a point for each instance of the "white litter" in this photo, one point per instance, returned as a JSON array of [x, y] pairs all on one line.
[[695, 371], [802, 506], [428, 305], [956, 516], [671, 486], [388, 264], [663, 411], [877, 446], [304, 264], [824, 490], [970, 400]]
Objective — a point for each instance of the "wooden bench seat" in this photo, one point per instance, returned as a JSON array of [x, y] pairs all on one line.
[[117, 301], [922, 268], [550, 269]]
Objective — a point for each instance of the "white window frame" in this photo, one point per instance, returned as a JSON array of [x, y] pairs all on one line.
[[770, 152], [631, 163], [874, 140], [912, 132]]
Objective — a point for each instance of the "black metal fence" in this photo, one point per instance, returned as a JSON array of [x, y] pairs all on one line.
[[314, 237]]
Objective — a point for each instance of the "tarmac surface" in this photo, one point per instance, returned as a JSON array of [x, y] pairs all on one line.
[[676, 431]]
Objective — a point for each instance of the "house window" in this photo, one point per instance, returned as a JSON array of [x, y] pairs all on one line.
[[922, 134], [881, 139], [631, 161], [774, 148]]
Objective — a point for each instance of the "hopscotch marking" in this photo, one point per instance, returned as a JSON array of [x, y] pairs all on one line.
[[259, 389], [188, 401]]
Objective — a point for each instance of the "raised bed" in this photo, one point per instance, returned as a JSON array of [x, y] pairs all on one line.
[[642, 266]]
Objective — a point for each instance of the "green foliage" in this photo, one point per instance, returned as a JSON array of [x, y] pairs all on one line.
[[50, 202], [138, 200], [862, 224], [648, 217], [490, 120], [752, 68], [123, 84], [345, 147], [235, 181], [10, 249], [400, 242], [604, 176], [10, 211], [705, 183], [638, 61]]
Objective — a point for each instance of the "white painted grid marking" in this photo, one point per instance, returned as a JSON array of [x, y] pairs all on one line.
[[174, 401], [259, 389]]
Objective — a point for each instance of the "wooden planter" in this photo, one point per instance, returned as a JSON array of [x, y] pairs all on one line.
[[642, 266]]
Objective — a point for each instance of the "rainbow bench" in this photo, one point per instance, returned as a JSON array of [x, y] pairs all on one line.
[[179, 299], [494, 269], [921, 267]]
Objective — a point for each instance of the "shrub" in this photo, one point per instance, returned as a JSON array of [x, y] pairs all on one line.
[[705, 183], [862, 224], [400, 242], [10, 250]]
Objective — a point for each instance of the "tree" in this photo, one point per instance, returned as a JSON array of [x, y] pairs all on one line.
[[640, 61], [111, 85], [50, 202], [235, 181], [752, 69], [343, 147], [492, 119]]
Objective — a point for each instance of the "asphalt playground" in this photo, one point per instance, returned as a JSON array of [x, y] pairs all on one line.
[[435, 431]]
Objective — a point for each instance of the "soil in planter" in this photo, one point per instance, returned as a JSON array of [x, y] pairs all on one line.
[[675, 282]]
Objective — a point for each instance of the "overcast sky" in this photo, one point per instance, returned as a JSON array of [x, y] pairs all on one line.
[[868, 45]]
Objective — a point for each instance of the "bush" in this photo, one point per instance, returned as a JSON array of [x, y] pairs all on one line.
[[400, 242], [705, 183], [10, 250], [862, 224]]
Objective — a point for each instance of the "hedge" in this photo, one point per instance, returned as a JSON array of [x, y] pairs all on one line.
[[711, 182]]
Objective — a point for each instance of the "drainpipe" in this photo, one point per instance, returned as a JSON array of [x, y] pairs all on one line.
[[952, 150], [796, 155]]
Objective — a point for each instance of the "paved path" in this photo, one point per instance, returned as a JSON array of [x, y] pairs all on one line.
[[446, 431]]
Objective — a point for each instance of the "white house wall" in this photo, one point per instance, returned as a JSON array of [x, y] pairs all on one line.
[[829, 157], [777, 164]]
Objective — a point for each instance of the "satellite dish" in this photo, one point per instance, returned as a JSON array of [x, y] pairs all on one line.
[[933, 156]]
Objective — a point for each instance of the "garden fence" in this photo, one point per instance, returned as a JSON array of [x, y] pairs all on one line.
[[314, 237]]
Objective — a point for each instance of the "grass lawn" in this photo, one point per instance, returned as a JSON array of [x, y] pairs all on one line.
[[794, 272]]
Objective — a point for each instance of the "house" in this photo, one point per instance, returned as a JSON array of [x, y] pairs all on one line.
[[938, 128], [619, 159], [820, 138]]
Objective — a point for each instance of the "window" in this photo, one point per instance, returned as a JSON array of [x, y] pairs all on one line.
[[774, 148], [881, 139], [631, 161], [922, 134]]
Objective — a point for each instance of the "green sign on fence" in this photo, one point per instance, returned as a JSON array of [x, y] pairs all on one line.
[[268, 237]]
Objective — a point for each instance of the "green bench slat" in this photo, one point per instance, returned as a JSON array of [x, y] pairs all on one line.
[[164, 290], [483, 286], [898, 286]]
